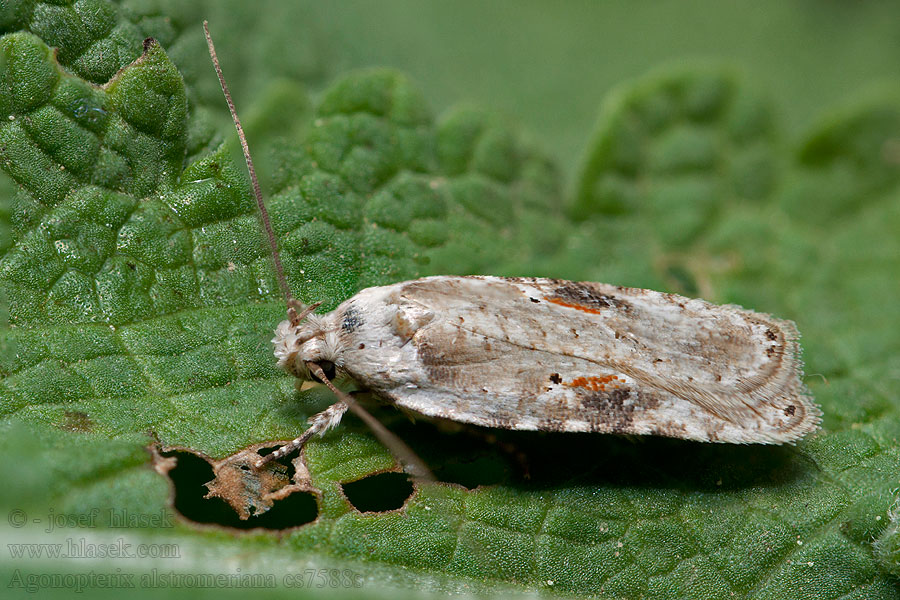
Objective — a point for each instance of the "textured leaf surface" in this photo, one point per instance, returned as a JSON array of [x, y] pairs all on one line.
[[140, 301]]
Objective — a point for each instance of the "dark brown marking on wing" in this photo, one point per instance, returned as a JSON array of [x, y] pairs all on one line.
[[611, 408], [585, 298]]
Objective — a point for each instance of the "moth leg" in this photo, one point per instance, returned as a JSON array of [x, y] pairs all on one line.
[[412, 464], [319, 424]]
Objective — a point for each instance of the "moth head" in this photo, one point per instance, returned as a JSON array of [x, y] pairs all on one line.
[[314, 339]]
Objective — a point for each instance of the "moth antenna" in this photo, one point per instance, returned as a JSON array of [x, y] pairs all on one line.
[[263, 213], [411, 462]]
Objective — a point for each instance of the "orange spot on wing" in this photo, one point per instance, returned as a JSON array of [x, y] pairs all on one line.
[[595, 384], [580, 307]]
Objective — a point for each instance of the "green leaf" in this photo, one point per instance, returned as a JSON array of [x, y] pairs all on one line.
[[140, 299]]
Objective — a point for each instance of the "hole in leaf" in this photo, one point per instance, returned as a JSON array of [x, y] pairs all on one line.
[[379, 493], [189, 477], [464, 455]]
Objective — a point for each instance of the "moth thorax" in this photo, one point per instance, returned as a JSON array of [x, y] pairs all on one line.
[[315, 339]]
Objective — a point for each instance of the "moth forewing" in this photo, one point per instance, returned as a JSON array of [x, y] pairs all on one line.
[[551, 355]]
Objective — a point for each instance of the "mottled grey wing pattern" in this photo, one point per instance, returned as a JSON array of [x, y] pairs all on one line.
[[564, 356]]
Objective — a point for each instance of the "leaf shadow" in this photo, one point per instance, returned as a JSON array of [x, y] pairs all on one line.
[[473, 456], [527, 460]]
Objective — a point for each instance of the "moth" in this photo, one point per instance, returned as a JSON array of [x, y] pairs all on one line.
[[546, 355]]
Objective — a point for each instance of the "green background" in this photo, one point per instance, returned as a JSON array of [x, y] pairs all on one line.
[[550, 65], [742, 153]]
